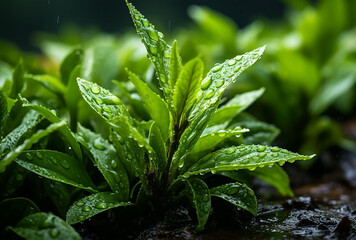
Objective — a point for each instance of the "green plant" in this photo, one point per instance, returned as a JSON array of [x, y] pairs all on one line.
[[189, 139]]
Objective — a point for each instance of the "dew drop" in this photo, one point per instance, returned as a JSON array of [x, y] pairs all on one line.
[[220, 83], [137, 17], [153, 50], [53, 160], [161, 35], [221, 133], [281, 162], [95, 89], [231, 62], [209, 94], [206, 83], [101, 205], [275, 149], [206, 209], [163, 78], [79, 204], [113, 164], [64, 164], [274, 154], [111, 100], [250, 192], [106, 109], [261, 155], [181, 164], [145, 22], [218, 76], [167, 55], [86, 208], [153, 35], [261, 148], [105, 91], [99, 101], [217, 68], [285, 151], [230, 150], [54, 232], [237, 69], [238, 58], [232, 190], [213, 171], [29, 156], [98, 144]]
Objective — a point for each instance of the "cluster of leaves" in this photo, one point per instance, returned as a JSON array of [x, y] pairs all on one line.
[[310, 65], [151, 145]]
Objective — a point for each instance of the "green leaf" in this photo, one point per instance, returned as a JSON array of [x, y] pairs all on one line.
[[56, 166], [45, 226], [101, 100], [92, 205], [156, 106], [201, 200], [186, 88], [18, 80], [64, 130], [24, 130], [11, 180], [276, 177], [100, 64], [157, 143], [243, 157], [208, 142], [27, 144], [208, 100], [50, 82], [122, 125], [72, 96], [158, 50], [73, 59], [330, 92], [260, 132], [106, 160], [61, 195], [3, 112], [175, 65], [238, 194], [14, 209], [236, 105]]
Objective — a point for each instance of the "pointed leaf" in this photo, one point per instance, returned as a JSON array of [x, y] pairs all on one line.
[[276, 177], [236, 105], [18, 80], [56, 166], [101, 100], [94, 204], [156, 106], [73, 59], [208, 142], [24, 130], [157, 143], [208, 100], [64, 130], [50, 82], [175, 65], [27, 144], [14, 209], [106, 160], [201, 200], [238, 194], [158, 50], [45, 226], [186, 88], [123, 126], [72, 96], [243, 157]]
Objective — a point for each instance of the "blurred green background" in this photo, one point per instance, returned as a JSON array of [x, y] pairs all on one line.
[[19, 19]]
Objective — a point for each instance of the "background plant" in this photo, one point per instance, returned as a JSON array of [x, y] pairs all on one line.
[[158, 144]]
